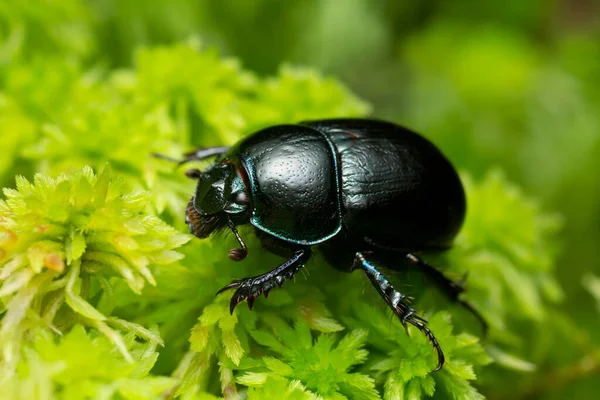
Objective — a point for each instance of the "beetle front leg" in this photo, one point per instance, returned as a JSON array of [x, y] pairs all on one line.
[[250, 288], [398, 302], [195, 155], [203, 153]]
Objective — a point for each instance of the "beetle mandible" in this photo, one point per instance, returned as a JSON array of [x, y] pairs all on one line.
[[365, 192]]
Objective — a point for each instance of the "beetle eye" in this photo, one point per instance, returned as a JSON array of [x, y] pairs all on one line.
[[240, 198]]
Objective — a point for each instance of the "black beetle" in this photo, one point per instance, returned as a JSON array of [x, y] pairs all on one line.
[[364, 191]]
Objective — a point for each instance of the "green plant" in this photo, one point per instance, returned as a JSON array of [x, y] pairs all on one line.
[[88, 262], [62, 240]]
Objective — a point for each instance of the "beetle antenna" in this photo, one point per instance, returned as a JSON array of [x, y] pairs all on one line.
[[237, 254]]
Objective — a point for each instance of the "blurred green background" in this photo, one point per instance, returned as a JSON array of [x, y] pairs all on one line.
[[514, 84]]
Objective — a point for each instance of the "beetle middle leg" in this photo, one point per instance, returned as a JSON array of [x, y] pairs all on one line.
[[250, 288], [451, 288], [398, 302]]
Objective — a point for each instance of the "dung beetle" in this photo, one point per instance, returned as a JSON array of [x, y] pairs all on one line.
[[365, 192]]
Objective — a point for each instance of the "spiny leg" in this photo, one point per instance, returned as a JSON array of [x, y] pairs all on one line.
[[251, 288], [451, 288], [398, 302]]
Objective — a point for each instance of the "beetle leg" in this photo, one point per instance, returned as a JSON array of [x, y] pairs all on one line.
[[398, 302], [203, 153], [451, 288], [195, 155], [250, 288]]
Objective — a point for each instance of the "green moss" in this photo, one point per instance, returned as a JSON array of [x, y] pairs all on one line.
[[66, 238], [91, 287], [82, 365]]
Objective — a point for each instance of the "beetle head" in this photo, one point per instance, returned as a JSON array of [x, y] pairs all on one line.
[[220, 195]]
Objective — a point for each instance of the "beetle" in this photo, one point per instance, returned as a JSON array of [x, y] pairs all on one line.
[[364, 192]]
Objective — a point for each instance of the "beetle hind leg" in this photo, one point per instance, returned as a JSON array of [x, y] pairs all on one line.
[[398, 302], [451, 288], [250, 288]]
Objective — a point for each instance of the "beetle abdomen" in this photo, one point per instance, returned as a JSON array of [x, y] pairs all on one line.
[[398, 191], [294, 195]]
